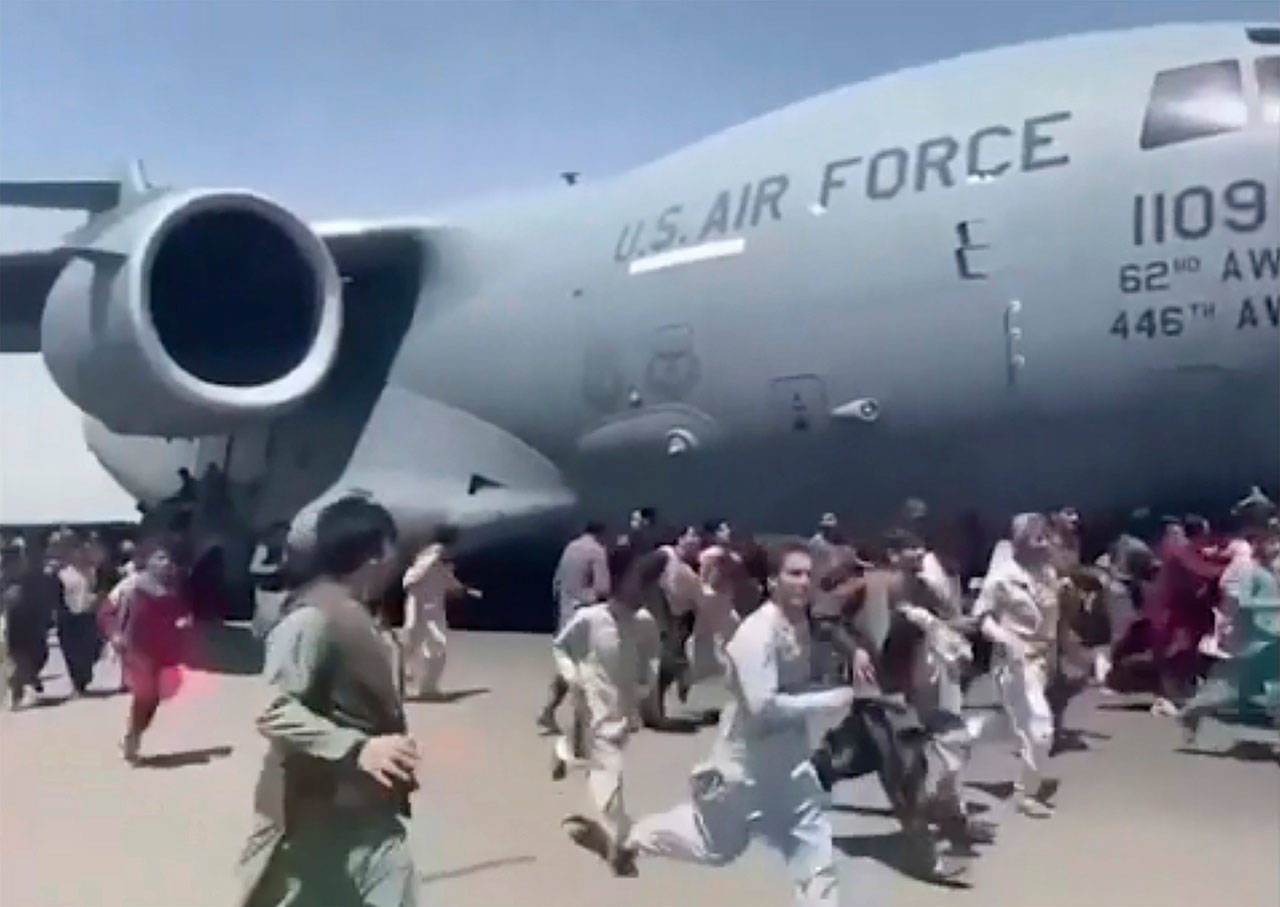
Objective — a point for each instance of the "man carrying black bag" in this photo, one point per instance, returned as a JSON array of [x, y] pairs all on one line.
[[895, 734]]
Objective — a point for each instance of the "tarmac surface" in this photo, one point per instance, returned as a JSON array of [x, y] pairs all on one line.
[[1140, 820]]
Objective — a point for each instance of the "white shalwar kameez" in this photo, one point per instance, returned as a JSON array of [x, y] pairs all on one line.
[[759, 779], [427, 583], [609, 658], [1024, 604]]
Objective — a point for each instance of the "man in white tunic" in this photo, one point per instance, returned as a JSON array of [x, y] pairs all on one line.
[[582, 575], [581, 579], [607, 654], [427, 583], [759, 780], [1018, 611]]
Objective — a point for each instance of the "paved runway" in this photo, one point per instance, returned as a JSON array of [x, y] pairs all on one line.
[[1139, 822]]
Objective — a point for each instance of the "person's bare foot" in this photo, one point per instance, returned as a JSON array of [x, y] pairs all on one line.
[[1190, 724], [1034, 808], [623, 862]]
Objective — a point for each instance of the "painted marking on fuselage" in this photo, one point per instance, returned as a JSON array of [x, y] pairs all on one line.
[[705, 252]]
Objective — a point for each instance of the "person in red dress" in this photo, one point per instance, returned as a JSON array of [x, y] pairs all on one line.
[[1179, 608], [156, 616]]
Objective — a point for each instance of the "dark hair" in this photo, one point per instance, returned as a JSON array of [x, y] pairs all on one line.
[[168, 542], [620, 558], [779, 553], [649, 513], [1195, 525], [11, 554], [874, 552], [445, 534], [755, 560], [711, 527], [349, 532], [594, 527], [1259, 535], [627, 561], [901, 539], [649, 566]]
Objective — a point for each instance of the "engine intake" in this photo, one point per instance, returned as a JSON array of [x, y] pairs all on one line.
[[193, 313]]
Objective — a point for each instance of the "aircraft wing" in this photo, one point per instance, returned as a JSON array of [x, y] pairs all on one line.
[[25, 281], [27, 277]]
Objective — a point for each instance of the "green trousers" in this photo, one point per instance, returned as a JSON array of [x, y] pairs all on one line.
[[342, 862]]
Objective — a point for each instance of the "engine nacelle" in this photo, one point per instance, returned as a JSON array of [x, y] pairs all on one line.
[[192, 313]]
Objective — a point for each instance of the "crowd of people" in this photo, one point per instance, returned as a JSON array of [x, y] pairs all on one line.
[[883, 640], [876, 643], [132, 610]]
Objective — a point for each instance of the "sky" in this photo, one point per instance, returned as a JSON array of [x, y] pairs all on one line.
[[343, 109], [377, 108]]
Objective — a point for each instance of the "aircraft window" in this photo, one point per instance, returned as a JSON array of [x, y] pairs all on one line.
[[1268, 70], [1193, 102]]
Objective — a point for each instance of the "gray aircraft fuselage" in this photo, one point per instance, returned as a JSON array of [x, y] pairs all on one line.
[[1037, 275]]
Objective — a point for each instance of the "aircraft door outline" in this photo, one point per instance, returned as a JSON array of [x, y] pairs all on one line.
[[673, 369], [800, 401]]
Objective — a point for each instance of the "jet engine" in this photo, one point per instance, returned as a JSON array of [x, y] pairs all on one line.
[[192, 313]]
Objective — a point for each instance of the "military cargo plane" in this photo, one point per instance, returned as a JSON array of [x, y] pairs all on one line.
[[1037, 274]]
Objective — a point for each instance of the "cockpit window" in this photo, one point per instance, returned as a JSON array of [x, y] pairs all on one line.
[[1264, 34], [1268, 70], [1193, 102]]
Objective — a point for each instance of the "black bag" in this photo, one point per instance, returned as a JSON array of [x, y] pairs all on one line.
[[882, 736]]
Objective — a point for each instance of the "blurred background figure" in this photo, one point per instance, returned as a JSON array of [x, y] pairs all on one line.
[[581, 579], [76, 618], [427, 583]]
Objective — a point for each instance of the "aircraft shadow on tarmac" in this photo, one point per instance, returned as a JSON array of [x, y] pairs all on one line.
[[891, 849], [428, 877], [185, 758]]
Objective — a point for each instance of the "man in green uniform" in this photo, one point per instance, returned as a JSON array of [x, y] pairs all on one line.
[[340, 768]]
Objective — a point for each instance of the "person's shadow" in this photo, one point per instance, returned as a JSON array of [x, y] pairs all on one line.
[[893, 850], [183, 759], [883, 812], [1072, 740], [449, 697], [428, 878], [1000, 790], [1241, 750], [222, 648]]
